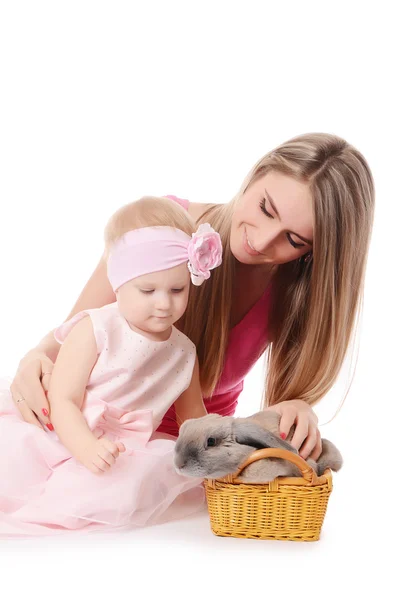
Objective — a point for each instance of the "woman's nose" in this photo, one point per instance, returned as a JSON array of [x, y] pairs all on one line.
[[264, 240]]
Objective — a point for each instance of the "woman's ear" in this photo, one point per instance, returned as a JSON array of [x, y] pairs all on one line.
[[250, 434]]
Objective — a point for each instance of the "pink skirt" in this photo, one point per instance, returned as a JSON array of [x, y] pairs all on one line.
[[45, 491]]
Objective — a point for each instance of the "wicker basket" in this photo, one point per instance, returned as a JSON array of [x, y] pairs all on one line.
[[287, 508]]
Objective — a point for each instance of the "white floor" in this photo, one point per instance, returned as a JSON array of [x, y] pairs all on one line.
[[184, 559]]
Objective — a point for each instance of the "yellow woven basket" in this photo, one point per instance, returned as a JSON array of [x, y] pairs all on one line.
[[287, 508]]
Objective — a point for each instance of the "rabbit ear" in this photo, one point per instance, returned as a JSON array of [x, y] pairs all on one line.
[[253, 435]]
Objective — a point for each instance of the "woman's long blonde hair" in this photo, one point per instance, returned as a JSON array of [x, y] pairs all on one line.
[[314, 304]]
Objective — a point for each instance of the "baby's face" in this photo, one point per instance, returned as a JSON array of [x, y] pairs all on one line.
[[153, 302]]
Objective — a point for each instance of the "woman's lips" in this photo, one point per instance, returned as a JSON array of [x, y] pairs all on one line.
[[247, 247]]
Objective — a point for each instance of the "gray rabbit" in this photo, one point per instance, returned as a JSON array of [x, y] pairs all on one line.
[[214, 446]]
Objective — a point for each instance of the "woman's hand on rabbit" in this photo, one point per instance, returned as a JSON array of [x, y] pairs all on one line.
[[30, 386], [306, 438], [101, 454]]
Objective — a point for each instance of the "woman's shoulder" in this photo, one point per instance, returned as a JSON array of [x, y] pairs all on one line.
[[197, 209]]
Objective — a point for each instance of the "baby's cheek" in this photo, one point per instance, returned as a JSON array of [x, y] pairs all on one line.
[[181, 303]]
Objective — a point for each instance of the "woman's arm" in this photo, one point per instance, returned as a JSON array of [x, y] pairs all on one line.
[[39, 361], [96, 293], [190, 403], [69, 379]]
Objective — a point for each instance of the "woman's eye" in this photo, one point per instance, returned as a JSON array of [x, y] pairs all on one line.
[[294, 244], [266, 212], [263, 208], [211, 442], [147, 291]]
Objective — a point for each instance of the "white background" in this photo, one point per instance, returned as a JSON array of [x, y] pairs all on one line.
[[102, 102]]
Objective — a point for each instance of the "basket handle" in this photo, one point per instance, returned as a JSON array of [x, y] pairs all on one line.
[[307, 471]]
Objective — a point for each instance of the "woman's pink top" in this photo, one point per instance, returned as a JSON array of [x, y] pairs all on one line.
[[247, 341]]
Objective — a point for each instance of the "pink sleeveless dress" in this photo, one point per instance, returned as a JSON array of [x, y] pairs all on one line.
[[247, 342], [44, 490]]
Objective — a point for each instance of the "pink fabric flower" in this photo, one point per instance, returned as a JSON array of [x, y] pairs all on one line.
[[204, 252]]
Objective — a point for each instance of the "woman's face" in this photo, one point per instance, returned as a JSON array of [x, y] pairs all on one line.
[[272, 222]]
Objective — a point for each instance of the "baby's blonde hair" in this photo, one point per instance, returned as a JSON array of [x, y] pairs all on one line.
[[149, 211]]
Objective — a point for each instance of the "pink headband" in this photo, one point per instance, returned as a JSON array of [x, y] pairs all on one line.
[[152, 249]]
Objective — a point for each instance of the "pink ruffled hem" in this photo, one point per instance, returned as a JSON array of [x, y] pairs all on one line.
[[45, 491]]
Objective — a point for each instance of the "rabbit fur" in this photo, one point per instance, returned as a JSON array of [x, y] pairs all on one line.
[[214, 446]]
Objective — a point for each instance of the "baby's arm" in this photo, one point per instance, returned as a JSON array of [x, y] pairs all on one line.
[[76, 358], [190, 403]]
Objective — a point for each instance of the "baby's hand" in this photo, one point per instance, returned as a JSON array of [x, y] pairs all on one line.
[[99, 456]]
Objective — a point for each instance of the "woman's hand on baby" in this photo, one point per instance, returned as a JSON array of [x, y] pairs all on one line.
[[30, 386], [306, 438], [99, 456]]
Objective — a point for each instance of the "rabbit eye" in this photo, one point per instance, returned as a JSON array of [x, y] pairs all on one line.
[[211, 442]]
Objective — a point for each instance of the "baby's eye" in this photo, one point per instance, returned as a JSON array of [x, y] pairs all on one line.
[[211, 441], [147, 291], [177, 290]]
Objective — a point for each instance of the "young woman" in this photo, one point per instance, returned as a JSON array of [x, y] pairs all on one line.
[[295, 242]]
